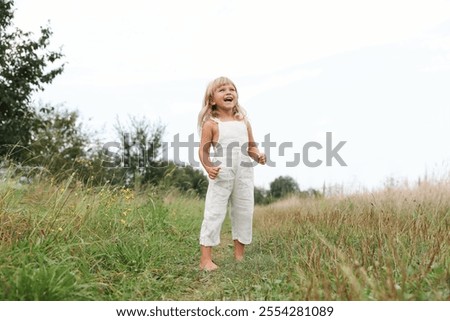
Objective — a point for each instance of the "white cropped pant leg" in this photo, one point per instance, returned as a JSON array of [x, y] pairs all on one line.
[[234, 185], [242, 206]]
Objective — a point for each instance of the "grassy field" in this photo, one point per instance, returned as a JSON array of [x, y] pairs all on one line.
[[71, 242]]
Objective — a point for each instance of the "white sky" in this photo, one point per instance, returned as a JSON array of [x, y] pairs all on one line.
[[374, 73]]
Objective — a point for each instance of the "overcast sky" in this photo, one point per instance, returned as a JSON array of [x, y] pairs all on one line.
[[375, 74]]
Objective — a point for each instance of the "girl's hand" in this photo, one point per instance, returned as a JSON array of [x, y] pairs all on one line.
[[213, 171], [261, 159]]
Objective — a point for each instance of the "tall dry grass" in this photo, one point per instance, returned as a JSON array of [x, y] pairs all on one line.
[[387, 245]]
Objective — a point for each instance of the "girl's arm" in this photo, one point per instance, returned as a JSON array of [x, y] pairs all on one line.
[[206, 140], [252, 149]]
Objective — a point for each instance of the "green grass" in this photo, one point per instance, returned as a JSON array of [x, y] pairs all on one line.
[[69, 242]]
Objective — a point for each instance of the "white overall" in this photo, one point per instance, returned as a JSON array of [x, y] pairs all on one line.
[[233, 184]]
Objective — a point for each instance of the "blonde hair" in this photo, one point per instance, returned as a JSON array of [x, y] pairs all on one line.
[[208, 110]]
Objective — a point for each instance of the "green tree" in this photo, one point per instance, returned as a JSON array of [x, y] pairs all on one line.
[[59, 142], [141, 162], [283, 186], [26, 65], [262, 196], [141, 145], [185, 178]]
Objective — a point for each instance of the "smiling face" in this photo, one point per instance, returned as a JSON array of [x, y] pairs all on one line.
[[225, 97]]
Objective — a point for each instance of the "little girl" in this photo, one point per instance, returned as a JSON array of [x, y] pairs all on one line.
[[223, 124]]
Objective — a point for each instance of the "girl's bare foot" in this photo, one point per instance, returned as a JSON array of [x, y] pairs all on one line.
[[238, 250], [206, 262], [208, 266]]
